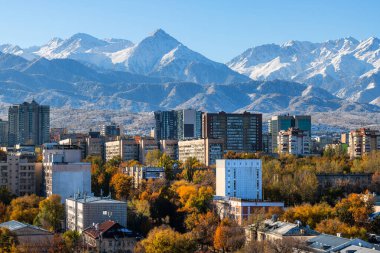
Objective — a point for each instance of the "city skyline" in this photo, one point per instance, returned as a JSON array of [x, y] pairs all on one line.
[[219, 31]]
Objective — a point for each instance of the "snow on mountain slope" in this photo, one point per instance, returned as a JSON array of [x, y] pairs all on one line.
[[334, 65]]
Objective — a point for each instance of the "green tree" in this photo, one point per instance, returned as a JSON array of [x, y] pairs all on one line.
[[152, 157], [72, 240], [5, 195], [51, 213], [8, 240]]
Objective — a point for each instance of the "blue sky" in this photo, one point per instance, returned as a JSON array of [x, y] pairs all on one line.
[[219, 29]]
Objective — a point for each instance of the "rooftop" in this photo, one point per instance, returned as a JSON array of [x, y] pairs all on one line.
[[330, 243], [16, 225], [287, 229], [109, 229], [91, 199]]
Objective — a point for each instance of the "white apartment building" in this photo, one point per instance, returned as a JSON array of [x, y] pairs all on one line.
[[362, 141], [239, 178], [83, 211], [207, 151], [63, 172], [293, 141], [127, 149], [19, 175]]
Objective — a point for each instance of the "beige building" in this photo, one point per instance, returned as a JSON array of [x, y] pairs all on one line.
[[110, 237], [141, 173], [82, 211], [146, 145], [20, 176], [205, 150], [127, 149], [293, 141], [170, 147], [362, 141]]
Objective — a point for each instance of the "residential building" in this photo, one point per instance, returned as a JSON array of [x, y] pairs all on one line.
[[344, 138], [240, 178], [273, 229], [19, 175], [207, 151], [29, 124], [239, 188], [362, 141], [142, 173], [126, 149], [169, 147], [293, 141], [267, 143], [241, 132], [178, 125], [109, 236], [4, 131], [57, 133], [82, 211], [94, 144], [284, 122], [64, 173], [110, 130], [30, 238], [146, 144], [330, 243], [78, 140]]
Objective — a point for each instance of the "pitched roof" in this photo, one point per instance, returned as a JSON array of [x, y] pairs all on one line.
[[330, 243], [14, 225], [287, 229], [108, 229]]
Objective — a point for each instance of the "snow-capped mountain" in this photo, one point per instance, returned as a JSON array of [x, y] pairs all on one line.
[[335, 65]]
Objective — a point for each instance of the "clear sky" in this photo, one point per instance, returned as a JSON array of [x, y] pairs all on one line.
[[219, 29]]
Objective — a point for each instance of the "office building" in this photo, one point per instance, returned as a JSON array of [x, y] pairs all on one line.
[[29, 124], [178, 125], [109, 236], [293, 141], [110, 130], [82, 211], [241, 132], [64, 173], [207, 151], [4, 127], [94, 144], [362, 141], [284, 122], [239, 188], [169, 147], [267, 143], [142, 173], [126, 149], [20, 175]]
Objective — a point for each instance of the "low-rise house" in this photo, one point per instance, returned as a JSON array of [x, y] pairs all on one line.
[[30, 237], [277, 230], [109, 237], [329, 243]]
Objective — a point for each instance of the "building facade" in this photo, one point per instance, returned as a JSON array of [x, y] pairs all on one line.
[[142, 173], [82, 211], [29, 124], [110, 130], [126, 149], [284, 122], [241, 132], [362, 141], [19, 175], [4, 131], [64, 173], [146, 144], [207, 151], [293, 141], [169, 147]]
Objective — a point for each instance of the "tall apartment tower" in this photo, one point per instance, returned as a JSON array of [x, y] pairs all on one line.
[[29, 124], [4, 131], [178, 125], [284, 122], [362, 141], [239, 178], [241, 132]]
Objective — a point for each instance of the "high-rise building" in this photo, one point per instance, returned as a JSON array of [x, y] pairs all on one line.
[[241, 132], [19, 175], [293, 141], [4, 131], [29, 124], [111, 130], [178, 125], [284, 122], [64, 173], [362, 141], [207, 151]]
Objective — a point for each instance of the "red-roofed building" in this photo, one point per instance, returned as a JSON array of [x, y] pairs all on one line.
[[109, 237]]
